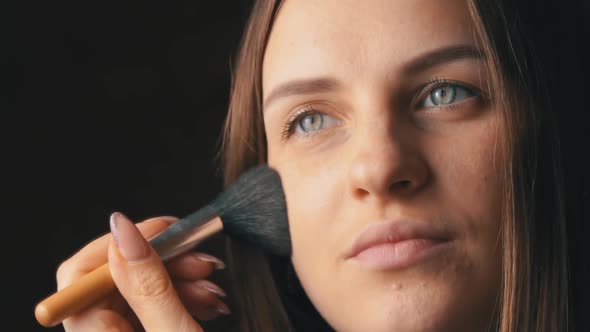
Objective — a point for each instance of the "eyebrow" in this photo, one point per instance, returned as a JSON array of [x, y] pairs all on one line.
[[302, 87], [419, 64], [442, 55]]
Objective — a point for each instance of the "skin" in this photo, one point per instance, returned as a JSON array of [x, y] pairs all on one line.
[[379, 152], [151, 296]]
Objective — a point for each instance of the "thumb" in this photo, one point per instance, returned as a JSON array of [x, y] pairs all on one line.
[[143, 281]]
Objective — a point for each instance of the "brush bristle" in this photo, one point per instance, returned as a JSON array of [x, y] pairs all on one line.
[[253, 209]]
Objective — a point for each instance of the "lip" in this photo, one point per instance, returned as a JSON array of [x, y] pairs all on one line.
[[398, 243]]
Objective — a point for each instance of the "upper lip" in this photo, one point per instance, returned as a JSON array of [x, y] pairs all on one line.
[[397, 231]]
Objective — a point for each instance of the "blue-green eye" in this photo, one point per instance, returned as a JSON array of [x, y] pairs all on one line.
[[446, 94], [310, 122]]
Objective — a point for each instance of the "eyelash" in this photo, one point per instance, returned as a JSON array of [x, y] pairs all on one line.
[[295, 118], [441, 82], [425, 91]]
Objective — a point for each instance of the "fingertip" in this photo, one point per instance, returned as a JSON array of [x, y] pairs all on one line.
[[166, 219], [222, 308], [216, 262], [131, 244], [189, 267]]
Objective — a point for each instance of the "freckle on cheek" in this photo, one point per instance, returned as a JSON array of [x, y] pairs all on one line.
[[396, 286]]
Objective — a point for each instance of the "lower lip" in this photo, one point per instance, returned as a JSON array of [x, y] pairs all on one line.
[[388, 256]]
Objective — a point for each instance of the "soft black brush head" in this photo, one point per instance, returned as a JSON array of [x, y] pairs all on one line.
[[253, 209]]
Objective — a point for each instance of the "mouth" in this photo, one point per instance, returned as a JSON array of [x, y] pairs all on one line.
[[398, 244]]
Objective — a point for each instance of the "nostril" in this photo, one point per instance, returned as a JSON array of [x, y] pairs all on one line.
[[361, 192]]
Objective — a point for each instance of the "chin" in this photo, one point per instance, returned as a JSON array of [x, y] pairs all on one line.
[[429, 314], [418, 318]]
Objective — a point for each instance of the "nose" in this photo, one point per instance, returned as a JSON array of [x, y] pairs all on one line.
[[387, 163]]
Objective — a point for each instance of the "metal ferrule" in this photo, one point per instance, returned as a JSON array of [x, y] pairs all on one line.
[[187, 233]]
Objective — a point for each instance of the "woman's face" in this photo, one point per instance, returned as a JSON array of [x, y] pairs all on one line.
[[376, 121]]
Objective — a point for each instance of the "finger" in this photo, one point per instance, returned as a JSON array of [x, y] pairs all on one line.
[[202, 298], [211, 312], [143, 281], [202, 292], [96, 250], [83, 320], [97, 320], [193, 266], [94, 254]]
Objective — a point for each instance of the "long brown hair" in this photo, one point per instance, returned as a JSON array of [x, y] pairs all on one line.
[[534, 294]]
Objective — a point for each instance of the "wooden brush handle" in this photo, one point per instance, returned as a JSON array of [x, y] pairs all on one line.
[[76, 297]]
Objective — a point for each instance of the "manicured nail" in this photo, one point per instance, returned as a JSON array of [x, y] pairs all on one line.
[[129, 240], [211, 287], [222, 308], [218, 264]]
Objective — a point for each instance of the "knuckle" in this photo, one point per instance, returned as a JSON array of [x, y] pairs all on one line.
[[152, 284], [63, 270]]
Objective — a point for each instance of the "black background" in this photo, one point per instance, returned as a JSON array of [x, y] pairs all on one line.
[[118, 107]]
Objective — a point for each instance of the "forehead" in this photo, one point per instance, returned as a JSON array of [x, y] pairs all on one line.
[[353, 39]]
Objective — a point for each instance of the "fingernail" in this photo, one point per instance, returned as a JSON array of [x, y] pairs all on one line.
[[213, 288], [222, 308], [131, 244], [218, 264]]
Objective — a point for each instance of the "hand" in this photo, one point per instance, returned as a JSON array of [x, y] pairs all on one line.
[[151, 296]]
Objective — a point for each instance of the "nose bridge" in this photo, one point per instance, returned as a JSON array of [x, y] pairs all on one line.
[[376, 118], [386, 155], [380, 128], [378, 147]]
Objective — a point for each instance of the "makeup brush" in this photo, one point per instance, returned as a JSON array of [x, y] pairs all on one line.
[[252, 209]]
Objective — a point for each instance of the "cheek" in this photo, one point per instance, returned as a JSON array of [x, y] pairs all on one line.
[[312, 201], [315, 196], [469, 173], [471, 192]]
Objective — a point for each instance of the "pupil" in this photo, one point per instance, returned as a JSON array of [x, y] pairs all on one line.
[[444, 95], [311, 122]]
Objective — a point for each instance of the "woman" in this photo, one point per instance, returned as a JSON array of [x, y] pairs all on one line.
[[425, 118]]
